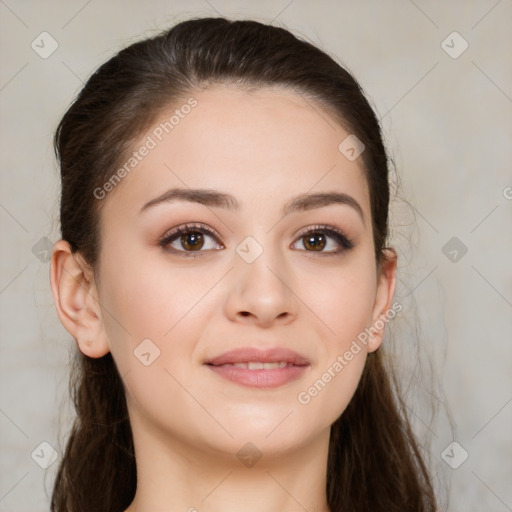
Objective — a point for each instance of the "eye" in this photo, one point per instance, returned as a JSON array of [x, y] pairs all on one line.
[[188, 239], [193, 238], [316, 239]]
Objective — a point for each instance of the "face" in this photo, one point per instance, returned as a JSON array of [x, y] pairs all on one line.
[[257, 295]]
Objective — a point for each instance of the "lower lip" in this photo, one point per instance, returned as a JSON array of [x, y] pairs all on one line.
[[260, 378]]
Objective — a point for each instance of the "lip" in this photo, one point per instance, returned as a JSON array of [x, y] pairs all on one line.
[[296, 366]]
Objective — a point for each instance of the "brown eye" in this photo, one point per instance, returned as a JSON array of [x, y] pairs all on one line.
[[192, 241], [189, 239], [325, 240], [315, 242]]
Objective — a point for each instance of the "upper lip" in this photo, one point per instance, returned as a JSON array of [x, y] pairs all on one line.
[[249, 354]]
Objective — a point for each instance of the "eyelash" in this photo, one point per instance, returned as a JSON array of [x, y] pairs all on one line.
[[345, 243]]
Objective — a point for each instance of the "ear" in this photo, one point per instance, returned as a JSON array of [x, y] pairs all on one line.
[[76, 299], [386, 282]]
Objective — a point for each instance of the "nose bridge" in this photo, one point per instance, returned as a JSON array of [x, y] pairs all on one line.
[[259, 260]]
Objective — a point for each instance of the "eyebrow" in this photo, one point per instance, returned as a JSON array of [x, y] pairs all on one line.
[[216, 199]]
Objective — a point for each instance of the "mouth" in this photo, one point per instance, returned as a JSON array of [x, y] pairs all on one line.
[[259, 368], [258, 365]]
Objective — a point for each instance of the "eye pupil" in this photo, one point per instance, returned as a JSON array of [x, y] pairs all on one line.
[[193, 240], [315, 246]]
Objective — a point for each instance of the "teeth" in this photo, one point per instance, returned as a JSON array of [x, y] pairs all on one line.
[[258, 365]]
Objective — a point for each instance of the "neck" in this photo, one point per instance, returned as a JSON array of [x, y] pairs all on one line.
[[172, 477]]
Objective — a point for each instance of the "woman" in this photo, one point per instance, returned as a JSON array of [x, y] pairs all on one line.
[[223, 269]]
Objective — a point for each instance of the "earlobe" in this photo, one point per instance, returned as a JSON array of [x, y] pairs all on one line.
[[76, 300], [386, 282]]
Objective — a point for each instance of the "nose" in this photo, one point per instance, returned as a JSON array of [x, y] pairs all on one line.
[[261, 292]]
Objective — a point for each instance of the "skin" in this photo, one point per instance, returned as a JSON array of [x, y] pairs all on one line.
[[263, 147]]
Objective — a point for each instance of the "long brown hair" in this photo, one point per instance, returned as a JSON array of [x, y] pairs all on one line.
[[374, 461]]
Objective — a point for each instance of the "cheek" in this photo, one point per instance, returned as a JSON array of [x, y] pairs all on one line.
[[147, 294], [346, 306], [154, 320], [145, 298]]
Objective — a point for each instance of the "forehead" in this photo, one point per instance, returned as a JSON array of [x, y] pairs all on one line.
[[261, 145]]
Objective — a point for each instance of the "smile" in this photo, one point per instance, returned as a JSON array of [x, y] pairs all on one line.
[[258, 365], [257, 368]]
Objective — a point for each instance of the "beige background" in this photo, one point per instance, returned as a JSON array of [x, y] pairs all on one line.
[[447, 122]]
